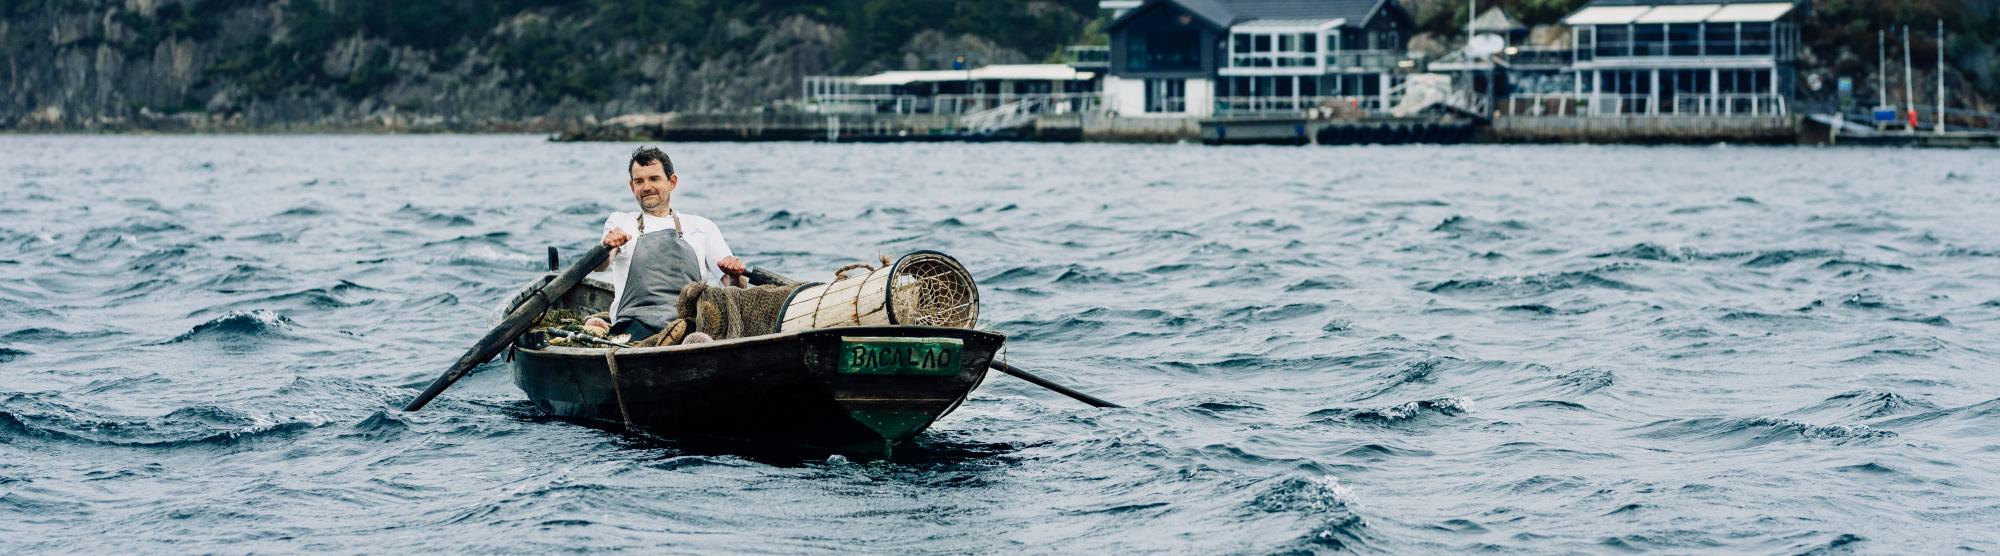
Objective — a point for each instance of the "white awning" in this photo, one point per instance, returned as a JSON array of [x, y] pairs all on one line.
[[1606, 15], [1030, 72], [908, 77], [1280, 25], [1750, 13], [1691, 13], [1019, 72]]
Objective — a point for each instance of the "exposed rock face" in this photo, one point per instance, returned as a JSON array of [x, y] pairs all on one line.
[[144, 64]]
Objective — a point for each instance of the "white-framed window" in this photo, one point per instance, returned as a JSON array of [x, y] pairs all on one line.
[[1272, 50], [1166, 95]]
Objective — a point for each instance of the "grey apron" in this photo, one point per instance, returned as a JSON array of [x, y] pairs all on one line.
[[662, 264]]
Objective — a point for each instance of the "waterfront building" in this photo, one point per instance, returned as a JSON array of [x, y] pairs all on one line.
[[1515, 72], [1203, 58], [1022, 88], [1685, 57]]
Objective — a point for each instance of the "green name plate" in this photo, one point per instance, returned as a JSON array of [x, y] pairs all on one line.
[[877, 355]]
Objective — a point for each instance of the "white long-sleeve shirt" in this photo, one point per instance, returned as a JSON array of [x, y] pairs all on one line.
[[702, 235]]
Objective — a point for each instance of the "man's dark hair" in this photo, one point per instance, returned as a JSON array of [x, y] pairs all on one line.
[[648, 156]]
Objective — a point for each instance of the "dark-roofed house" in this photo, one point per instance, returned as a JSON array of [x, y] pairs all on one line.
[[1197, 58], [1686, 57]]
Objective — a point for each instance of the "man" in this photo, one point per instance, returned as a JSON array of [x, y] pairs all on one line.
[[657, 251]]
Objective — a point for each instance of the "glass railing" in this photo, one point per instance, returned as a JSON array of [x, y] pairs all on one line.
[[1729, 104], [1364, 59], [1268, 60], [1087, 55], [1543, 56]]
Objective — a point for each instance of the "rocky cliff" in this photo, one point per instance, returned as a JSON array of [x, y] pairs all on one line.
[[471, 65]]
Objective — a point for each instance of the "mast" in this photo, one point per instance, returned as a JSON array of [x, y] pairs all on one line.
[[1881, 73], [1909, 85], [1940, 72]]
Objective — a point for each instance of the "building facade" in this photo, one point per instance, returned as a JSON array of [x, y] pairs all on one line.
[[1685, 57], [1203, 58]]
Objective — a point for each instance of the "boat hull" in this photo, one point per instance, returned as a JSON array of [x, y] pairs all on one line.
[[787, 391]]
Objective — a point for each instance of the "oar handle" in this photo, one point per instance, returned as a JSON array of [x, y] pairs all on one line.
[[517, 321], [1094, 401]]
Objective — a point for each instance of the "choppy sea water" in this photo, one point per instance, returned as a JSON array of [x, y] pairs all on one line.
[[1376, 349]]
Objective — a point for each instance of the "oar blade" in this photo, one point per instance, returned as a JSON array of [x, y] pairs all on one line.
[[517, 322]]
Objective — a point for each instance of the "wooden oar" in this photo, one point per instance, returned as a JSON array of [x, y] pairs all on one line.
[[760, 277], [517, 321], [1094, 401]]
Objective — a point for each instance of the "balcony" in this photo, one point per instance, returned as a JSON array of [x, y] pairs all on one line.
[[1678, 44], [1363, 59], [1607, 104], [1088, 57]]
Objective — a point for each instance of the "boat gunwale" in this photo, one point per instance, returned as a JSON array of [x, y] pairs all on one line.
[[598, 353]]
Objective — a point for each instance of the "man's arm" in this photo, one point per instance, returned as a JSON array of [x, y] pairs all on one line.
[[726, 261], [614, 237]]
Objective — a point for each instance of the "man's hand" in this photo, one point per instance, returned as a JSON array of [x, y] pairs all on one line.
[[732, 266], [616, 238]]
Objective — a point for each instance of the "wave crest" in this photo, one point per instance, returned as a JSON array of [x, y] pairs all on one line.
[[253, 324], [1326, 504]]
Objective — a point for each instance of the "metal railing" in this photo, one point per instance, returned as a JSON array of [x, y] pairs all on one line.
[[1729, 104], [1539, 56], [1552, 105], [869, 103], [1571, 104], [1303, 106], [1603, 104], [1006, 116]]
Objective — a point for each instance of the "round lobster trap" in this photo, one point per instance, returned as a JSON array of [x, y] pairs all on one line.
[[923, 288]]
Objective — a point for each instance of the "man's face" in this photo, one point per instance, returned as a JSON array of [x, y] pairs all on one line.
[[652, 186]]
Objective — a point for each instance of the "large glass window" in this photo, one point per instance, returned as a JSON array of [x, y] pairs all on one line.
[[1720, 39], [1694, 81], [1649, 40], [1586, 43], [1684, 39], [1614, 41], [1756, 39], [1163, 51], [1286, 50]]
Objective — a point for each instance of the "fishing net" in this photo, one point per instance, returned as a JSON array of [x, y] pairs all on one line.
[[725, 312]]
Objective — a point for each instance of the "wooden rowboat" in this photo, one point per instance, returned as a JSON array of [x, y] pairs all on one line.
[[861, 391]]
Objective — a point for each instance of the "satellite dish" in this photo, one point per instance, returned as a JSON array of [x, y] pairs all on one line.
[[1485, 44]]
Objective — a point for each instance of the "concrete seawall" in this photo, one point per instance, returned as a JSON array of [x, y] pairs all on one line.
[[761, 127], [1644, 130], [1105, 128], [1092, 127]]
